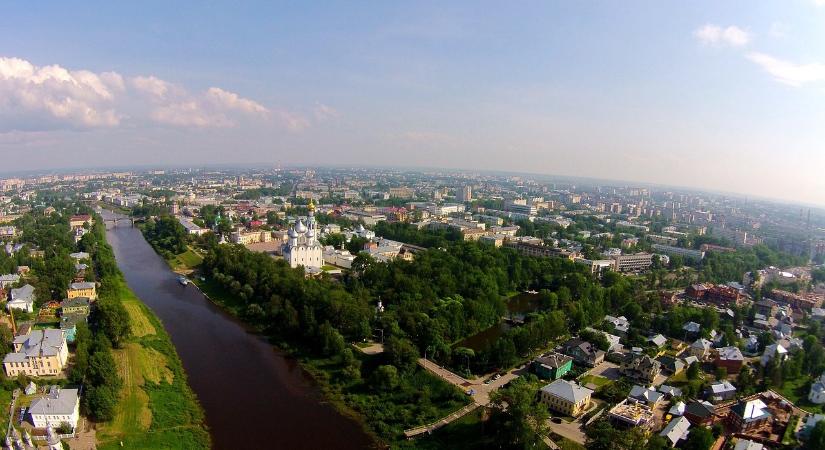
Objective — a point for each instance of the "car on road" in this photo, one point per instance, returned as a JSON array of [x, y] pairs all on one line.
[[556, 420]]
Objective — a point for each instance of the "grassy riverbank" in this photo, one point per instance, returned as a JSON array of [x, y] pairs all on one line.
[[157, 408]]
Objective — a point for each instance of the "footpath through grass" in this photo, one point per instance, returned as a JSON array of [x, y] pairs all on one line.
[[157, 407]]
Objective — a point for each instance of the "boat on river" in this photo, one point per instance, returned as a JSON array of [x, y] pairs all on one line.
[[183, 280]]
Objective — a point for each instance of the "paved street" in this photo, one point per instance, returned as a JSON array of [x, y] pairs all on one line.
[[373, 348], [571, 430], [482, 391], [481, 396]]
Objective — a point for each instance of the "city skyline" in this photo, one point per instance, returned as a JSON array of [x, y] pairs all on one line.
[[729, 98]]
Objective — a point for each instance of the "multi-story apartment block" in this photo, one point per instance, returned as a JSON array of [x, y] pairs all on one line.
[[39, 353]]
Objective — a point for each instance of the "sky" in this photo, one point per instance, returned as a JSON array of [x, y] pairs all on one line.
[[725, 96]]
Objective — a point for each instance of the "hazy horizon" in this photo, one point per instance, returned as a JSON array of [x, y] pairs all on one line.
[[716, 97]]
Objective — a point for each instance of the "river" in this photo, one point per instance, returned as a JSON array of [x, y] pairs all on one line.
[[254, 396]]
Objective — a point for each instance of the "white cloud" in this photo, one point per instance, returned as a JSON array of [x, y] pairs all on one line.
[[189, 114], [787, 72], [231, 100], [323, 112], [291, 121], [711, 34], [78, 98], [48, 97], [153, 86], [214, 108]]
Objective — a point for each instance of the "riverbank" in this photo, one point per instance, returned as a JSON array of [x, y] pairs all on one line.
[[157, 408], [253, 395]]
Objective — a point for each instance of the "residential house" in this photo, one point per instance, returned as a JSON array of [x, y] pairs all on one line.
[[648, 396], [38, 353], [744, 444], [58, 407], [765, 307], [22, 299], [678, 409], [68, 324], [671, 365], [690, 360], [583, 352], [82, 289], [675, 431], [772, 351], [752, 344], [701, 348], [810, 423], [79, 256], [730, 358], [566, 397], [620, 324], [76, 305], [80, 220], [721, 391], [8, 280], [692, 328], [641, 368], [817, 392], [670, 391], [749, 415], [552, 365], [699, 413], [658, 340]]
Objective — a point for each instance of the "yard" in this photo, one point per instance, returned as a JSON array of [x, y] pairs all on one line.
[[797, 391], [594, 380]]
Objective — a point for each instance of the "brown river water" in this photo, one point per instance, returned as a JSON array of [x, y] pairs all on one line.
[[254, 396]]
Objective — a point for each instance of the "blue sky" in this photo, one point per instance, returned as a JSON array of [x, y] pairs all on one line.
[[718, 95]]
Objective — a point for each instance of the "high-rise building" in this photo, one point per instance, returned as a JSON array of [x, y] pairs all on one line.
[[465, 194]]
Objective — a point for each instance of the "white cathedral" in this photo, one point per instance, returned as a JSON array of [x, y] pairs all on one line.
[[302, 247]]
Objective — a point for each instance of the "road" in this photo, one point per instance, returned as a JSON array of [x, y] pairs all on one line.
[[482, 391], [481, 396]]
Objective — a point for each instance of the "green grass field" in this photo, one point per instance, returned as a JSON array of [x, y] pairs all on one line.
[[186, 261], [157, 408], [594, 379]]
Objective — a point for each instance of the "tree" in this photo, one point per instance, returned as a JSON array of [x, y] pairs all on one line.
[[693, 371], [101, 402], [466, 354], [113, 320], [522, 420], [816, 440], [745, 381], [699, 438], [330, 340], [386, 377], [401, 353]]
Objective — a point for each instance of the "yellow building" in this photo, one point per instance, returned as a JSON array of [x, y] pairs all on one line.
[[566, 397], [82, 289], [39, 353]]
